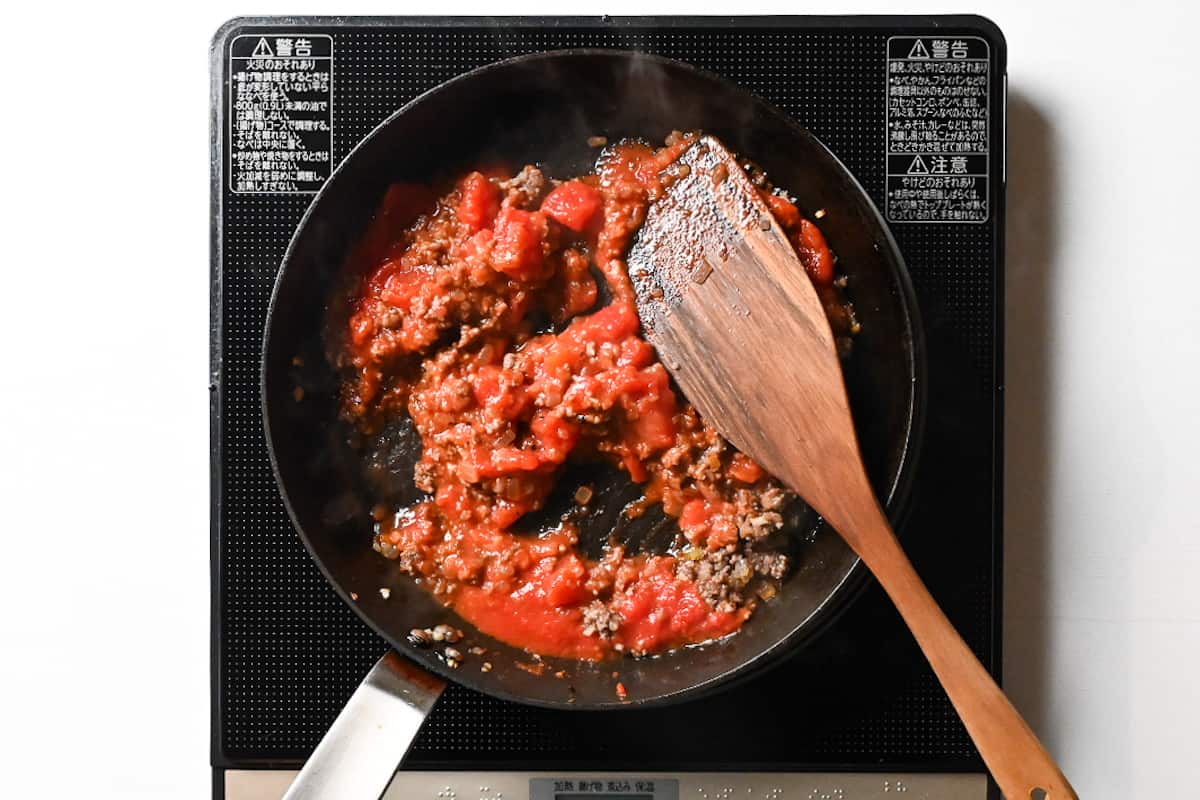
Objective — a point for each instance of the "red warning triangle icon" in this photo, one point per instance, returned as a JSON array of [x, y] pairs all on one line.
[[918, 50], [263, 50], [918, 167]]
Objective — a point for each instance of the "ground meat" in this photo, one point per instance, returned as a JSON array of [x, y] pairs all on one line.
[[772, 498], [408, 561], [708, 464], [603, 577], [525, 188], [721, 576], [423, 476], [600, 620], [770, 565], [758, 526]]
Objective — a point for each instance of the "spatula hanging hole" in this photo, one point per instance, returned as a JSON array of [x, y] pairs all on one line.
[[1038, 793]]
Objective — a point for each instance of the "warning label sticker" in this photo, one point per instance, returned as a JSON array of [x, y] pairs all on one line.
[[280, 113], [938, 120]]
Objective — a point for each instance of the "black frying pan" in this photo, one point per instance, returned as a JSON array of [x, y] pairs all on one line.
[[541, 109]]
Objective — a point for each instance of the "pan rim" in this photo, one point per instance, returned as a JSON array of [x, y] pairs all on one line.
[[896, 496]]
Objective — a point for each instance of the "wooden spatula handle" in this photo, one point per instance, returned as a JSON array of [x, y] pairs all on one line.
[[730, 309], [1017, 760]]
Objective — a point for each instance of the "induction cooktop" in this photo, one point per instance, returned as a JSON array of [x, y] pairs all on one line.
[[915, 108]]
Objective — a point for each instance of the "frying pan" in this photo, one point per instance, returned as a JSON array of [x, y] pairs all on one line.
[[541, 109]]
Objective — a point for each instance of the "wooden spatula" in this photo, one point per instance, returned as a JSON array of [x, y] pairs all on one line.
[[733, 315]]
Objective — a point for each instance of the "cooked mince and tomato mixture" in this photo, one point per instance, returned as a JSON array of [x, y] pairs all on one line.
[[500, 318]]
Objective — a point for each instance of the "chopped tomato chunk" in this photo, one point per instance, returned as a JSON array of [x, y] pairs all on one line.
[[784, 211], [745, 469], [814, 253], [518, 249], [574, 204], [479, 202]]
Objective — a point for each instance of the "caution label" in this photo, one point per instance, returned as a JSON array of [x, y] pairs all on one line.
[[938, 129], [280, 113]]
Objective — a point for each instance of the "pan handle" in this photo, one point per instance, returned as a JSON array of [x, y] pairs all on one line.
[[360, 752]]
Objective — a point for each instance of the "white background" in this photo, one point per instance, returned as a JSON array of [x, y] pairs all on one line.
[[104, 439]]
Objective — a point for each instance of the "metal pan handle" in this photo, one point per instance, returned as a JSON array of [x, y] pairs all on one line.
[[360, 752]]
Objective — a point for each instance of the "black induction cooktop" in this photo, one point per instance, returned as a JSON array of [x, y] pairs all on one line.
[[914, 106]]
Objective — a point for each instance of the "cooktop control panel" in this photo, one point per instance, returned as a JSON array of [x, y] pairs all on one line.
[[271, 784]]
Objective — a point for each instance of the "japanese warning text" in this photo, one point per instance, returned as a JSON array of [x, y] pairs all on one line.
[[280, 116], [937, 129]]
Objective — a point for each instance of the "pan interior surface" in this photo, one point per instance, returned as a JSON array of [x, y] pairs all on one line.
[[542, 109]]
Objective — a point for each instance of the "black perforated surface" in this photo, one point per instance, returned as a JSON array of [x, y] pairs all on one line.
[[287, 653]]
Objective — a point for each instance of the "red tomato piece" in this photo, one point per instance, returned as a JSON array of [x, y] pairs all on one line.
[[745, 469], [487, 385], [403, 285], [579, 290], [479, 201], [574, 204], [518, 250], [635, 468], [636, 353], [722, 533], [504, 514], [506, 401], [784, 211], [814, 253], [506, 460], [556, 435], [656, 426], [564, 586], [695, 516]]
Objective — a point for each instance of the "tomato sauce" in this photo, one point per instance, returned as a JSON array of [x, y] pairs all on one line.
[[476, 314]]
